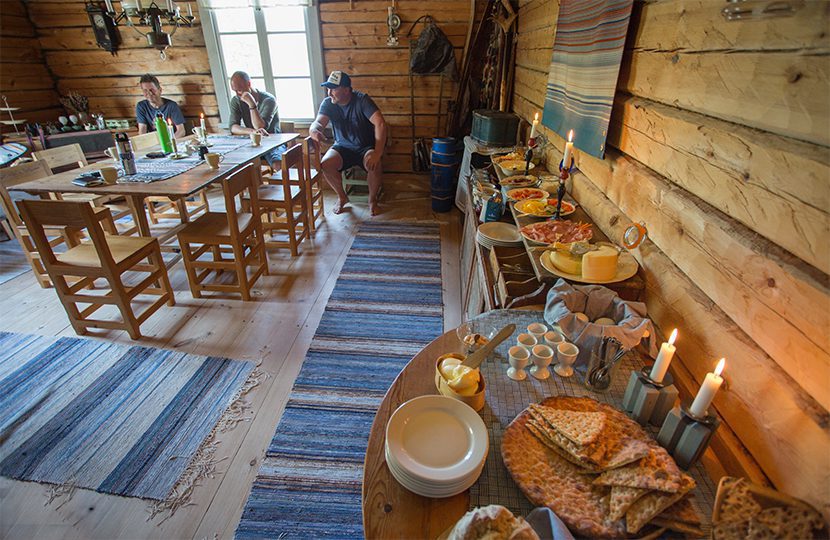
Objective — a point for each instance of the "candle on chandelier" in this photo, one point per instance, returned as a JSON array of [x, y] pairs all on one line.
[[189, 11], [535, 126], [707, 391], [569, 147], [110, 9], [661, 365], [170, 7]]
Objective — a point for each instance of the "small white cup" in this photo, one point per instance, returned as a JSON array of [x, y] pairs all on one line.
[[256, 138], [538, 330], [566, 356], [528, 341], [109, 174], [553, 339], [518, 357], [542, 357]]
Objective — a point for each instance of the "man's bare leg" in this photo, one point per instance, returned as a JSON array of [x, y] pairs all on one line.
[[374, 179], [331, 164]]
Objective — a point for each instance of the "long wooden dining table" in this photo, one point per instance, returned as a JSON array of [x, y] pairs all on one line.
[[177, 188]]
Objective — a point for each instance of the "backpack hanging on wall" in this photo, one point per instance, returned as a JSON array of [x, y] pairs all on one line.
[[432, 52]]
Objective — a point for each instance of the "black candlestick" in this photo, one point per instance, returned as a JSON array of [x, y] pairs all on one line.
[[560, 193], [528, 157]]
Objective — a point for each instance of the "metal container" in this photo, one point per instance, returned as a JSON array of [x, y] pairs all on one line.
[[495, 128], [125, 153]]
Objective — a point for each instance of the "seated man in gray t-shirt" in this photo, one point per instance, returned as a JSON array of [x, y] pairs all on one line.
[[254, 110], [359, 137]]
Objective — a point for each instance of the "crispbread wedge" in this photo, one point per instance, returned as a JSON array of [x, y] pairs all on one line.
[[539, 433], [621, 499], [580, 427], [682, 511], [655, 471], [650, 505], [592, 453], [738, 503], [793, 521], [692, 530], [730, 530]]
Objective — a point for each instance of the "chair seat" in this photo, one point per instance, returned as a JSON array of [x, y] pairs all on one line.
[[275, 193], [292, 174], [122, 248], [212, 225]]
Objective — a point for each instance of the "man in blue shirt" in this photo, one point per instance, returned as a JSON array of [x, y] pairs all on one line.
[[146, 109], [359, 137]]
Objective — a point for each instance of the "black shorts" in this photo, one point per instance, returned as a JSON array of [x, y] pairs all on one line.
[[351, 157]]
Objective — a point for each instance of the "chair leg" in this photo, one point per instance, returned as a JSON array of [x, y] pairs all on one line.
[[161, 269], [241, 272], [292, 229], [191, 273]]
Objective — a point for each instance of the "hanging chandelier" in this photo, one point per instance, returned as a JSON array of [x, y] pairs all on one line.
[[138, 13]]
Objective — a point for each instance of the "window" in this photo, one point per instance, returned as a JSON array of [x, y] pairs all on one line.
[[276, 44]]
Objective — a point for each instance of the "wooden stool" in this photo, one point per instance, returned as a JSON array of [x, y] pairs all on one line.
[[106, 256], [354, 178]]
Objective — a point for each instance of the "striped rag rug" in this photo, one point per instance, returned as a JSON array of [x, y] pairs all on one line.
[[386, 306], [117, 419]]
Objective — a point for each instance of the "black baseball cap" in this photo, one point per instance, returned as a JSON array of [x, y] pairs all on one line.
[[338, 79]]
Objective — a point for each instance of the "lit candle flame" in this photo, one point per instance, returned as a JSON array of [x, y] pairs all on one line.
[[536, 117], [673, 337], [571, 136], [201, 115], [719, 369], [170, 121]]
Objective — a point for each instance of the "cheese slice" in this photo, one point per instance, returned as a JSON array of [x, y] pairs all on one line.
[[601, 264], [567, 262]]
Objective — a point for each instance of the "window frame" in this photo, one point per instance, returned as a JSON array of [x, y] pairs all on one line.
[[220, 75]]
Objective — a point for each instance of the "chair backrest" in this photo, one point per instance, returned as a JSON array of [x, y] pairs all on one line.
[[12, 176], [63, 157], [38, 214], [292, 159], [143, 142], [236, 185], [287, 127], [311, 156]]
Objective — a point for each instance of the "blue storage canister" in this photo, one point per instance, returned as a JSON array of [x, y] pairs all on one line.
[[444, 162]]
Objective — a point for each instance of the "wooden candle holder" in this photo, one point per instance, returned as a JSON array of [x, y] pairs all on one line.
[[686, 436], [647, 401]]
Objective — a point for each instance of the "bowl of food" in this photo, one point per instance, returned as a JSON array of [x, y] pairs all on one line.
[[512, 167], [459, 382]]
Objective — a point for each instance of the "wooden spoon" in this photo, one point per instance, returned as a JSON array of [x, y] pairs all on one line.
[[475, 359]]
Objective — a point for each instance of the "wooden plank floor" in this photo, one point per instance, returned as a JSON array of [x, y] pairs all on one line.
[[275, 330]]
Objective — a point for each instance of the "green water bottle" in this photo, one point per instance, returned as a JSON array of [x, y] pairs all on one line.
[[163, 134]]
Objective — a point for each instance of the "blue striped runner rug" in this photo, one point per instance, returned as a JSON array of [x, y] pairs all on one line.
[[120, 419], [386, 306]]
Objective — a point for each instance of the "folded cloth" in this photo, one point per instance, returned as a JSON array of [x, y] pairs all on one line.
[[595, 301]]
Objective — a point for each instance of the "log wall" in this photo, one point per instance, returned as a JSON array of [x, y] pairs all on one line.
[[24, 78], [354, 40], [719, 143], [111, 82]]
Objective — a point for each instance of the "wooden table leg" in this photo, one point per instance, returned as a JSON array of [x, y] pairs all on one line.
[[136, 203]]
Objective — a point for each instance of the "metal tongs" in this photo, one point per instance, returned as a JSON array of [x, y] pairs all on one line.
[[609, 352]]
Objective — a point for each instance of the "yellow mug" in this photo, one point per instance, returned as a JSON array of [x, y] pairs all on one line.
[[109, 174], [213, 160]]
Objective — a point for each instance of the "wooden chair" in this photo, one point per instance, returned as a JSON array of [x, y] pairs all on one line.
[[283, 203], [314, 182], [12, 176], [70, 157], [104, 256], [239, 233]]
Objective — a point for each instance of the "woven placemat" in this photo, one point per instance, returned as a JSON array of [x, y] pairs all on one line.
[[507, 398]]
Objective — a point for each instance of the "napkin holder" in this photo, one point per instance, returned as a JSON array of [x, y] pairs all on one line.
[[648, 401], [687, 436]]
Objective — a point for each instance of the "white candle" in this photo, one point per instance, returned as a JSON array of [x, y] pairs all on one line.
[[110, 9], [534, 126], [707, 391], [170, 6], [189, 12], [201, 118], [569, 146], [661, 365], [171, 129]]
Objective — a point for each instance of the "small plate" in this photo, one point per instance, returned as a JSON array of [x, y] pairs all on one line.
[[520, 194], [626, 267], [499, 232], [525, 206], [519, 181]]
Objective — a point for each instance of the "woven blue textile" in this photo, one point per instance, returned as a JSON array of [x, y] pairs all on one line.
[[152, 170], [385, 307], [114, 418]]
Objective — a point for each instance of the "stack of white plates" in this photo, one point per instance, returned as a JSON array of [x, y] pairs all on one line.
[[498, 233], [436, 446]]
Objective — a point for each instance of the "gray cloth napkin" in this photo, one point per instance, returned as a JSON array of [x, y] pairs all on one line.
[[595, 301]]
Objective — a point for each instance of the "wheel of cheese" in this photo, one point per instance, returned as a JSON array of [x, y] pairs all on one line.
[[601, 264]]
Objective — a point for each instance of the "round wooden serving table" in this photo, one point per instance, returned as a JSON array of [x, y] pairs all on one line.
[[389, 510]]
